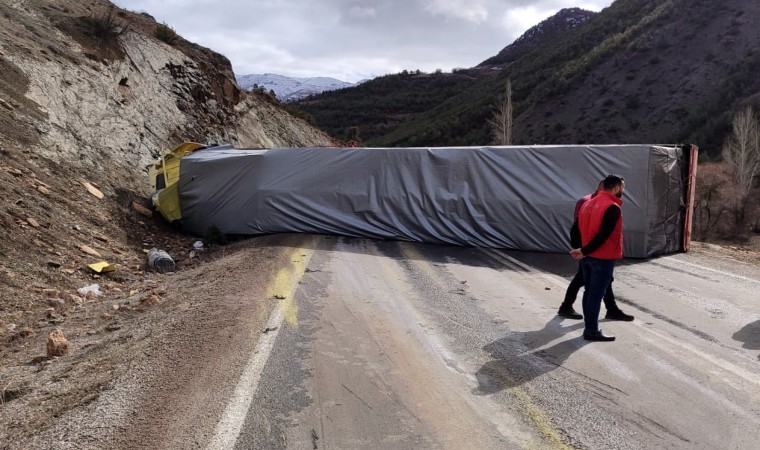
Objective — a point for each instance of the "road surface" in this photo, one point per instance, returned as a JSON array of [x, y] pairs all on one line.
[[388, 345]]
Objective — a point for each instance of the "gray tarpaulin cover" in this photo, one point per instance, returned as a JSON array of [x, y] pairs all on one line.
[[507, 197]]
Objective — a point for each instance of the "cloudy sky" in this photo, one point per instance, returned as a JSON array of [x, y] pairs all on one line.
[[353, 39]]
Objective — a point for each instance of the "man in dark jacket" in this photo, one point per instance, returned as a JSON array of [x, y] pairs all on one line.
[[600, 222], [566, 309]]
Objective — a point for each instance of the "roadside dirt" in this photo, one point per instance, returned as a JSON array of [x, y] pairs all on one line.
[[747, 252], [47, 215], [128, 354], [191, 364]]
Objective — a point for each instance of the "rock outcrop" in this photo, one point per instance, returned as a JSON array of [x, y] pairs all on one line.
[[115, 102]]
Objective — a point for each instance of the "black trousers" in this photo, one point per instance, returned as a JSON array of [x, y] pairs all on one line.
[[577, 284]]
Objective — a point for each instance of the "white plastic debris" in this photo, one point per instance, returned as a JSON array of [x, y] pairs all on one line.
[[198, 245], [95, 288], [10, 327]]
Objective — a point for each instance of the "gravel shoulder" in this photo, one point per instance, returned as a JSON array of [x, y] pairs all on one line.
[[127, 385]]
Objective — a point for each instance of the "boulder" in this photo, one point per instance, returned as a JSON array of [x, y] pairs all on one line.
[[57, 344]]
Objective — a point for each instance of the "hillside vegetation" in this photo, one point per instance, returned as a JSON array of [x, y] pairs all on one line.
[[661, 71], [378, 106]]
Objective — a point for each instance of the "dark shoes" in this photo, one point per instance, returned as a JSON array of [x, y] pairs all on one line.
[[569, 313], [618, 315], [597, 336], [615, 314]]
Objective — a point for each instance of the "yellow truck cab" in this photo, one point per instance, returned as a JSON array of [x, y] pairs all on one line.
[[164, 179]]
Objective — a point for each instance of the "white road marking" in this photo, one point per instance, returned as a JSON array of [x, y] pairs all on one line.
[[727, 274], [228, 428], [284, 286]]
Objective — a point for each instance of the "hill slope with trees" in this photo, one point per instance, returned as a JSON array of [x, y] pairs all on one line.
[[638, 71]]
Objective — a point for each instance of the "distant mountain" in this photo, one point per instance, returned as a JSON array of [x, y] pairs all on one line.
[[379, 106], [290, 88], [663, 71], [556, 25]]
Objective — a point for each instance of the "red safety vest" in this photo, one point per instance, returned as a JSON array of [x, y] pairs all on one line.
[[590, 220]]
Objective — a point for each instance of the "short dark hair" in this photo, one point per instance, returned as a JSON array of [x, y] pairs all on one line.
[[612, 181]]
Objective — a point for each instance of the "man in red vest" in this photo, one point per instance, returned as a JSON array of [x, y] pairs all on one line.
[[566, 309], [601, 225]]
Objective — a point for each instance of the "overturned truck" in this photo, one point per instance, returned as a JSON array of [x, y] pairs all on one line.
[[516, 197]]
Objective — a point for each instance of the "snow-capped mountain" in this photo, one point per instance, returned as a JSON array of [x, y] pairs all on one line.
[[290, 88]]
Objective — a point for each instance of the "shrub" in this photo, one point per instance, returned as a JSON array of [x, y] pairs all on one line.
[[165, 33], [709, 205], [105, 27], [214, 236]]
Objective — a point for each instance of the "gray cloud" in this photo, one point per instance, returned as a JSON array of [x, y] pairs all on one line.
[[353, 39]]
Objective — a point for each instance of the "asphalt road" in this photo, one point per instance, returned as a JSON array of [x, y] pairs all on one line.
[[387, 345]]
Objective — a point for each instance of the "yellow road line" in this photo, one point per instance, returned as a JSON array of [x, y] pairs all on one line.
[[286, 281], [542, 422]]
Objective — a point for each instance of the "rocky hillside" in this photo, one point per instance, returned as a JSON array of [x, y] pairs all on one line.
[[118, 99], [89, 94], [554, 27]]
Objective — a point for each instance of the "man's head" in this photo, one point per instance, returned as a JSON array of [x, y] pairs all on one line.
[[614, 184]]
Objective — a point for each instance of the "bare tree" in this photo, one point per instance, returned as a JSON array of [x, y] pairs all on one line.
[[741, 152], [502, 122], [710, 204]]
